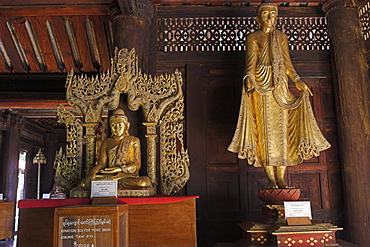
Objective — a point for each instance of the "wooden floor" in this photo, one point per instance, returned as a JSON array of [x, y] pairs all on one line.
[[345, 243]]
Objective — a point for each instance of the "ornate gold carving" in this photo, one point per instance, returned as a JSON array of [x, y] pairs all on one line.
[[141, 192], [160, 98], [153, 94], [120, 193], [69, 165], [89, 96], [174, 163], [262, 239], [151, 137]]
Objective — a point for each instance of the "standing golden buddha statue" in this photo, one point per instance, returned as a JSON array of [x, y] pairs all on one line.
[[275, 129], [119, 157]]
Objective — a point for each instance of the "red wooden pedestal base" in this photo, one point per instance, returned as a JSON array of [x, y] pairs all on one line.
[[271, 230], [307, 236], [278, 196]]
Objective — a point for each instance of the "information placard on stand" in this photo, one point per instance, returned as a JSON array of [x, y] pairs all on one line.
[[298, 213]]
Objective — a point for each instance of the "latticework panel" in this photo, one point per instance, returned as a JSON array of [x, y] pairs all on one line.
[[365, 19], [228, 33]]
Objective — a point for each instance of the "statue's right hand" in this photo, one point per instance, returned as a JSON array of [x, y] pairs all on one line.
[[249, 85], [250, 91]]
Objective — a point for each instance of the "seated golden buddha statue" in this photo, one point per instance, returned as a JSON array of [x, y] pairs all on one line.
[[119, 157]]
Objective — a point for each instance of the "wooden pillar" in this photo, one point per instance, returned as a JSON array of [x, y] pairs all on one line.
[[132, 20], [352, 91], [11, 148]]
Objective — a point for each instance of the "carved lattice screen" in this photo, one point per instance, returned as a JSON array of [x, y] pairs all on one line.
[[228, 33], [365, 19]]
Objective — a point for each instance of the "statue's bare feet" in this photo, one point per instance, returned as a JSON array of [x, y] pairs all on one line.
[[271, 186], [283, 185]]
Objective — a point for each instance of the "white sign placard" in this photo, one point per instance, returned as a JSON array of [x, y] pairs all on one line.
[[46, 196], [297, 209], [103, 188], [1, 197]]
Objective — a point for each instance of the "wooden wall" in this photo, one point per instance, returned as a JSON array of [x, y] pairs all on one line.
[[226, 185]]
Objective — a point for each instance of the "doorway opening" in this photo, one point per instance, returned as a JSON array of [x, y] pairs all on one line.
[[20, 188]]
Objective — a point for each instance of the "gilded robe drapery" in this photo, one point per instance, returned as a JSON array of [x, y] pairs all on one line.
[[125, 153], [274, 126]]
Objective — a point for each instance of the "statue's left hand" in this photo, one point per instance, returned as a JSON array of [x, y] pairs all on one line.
[[111, 170], [301, 86]]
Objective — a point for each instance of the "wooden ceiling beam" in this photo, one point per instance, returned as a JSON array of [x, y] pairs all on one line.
[[54, 2], [53, 10], [34, 101], [220, 2]]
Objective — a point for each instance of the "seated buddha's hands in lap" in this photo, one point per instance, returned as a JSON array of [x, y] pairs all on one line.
[[111, 170]]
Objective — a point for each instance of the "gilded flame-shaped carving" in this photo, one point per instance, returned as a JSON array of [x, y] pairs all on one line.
[[68, 165], [153, 94], [174, 163]]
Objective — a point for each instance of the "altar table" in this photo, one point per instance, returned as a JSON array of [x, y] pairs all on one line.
[[152, 221]]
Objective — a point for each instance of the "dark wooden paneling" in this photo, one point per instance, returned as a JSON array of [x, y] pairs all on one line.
[[256, 181], [223, 191], [310, 186], [332, 155], [336, 189]]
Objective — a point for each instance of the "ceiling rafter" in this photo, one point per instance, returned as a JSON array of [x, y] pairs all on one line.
[[54, 44]]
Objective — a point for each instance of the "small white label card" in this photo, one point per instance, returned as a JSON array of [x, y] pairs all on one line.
[[45, 196], [1, 197], [104, 188], [297, 209]]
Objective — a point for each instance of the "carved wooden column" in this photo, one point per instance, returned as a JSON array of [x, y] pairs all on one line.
[[152, 151], [132, 20], [352, 91], [11, 148]]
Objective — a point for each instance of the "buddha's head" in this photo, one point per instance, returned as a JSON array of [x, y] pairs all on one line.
[[267, 13], [119, 123]]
